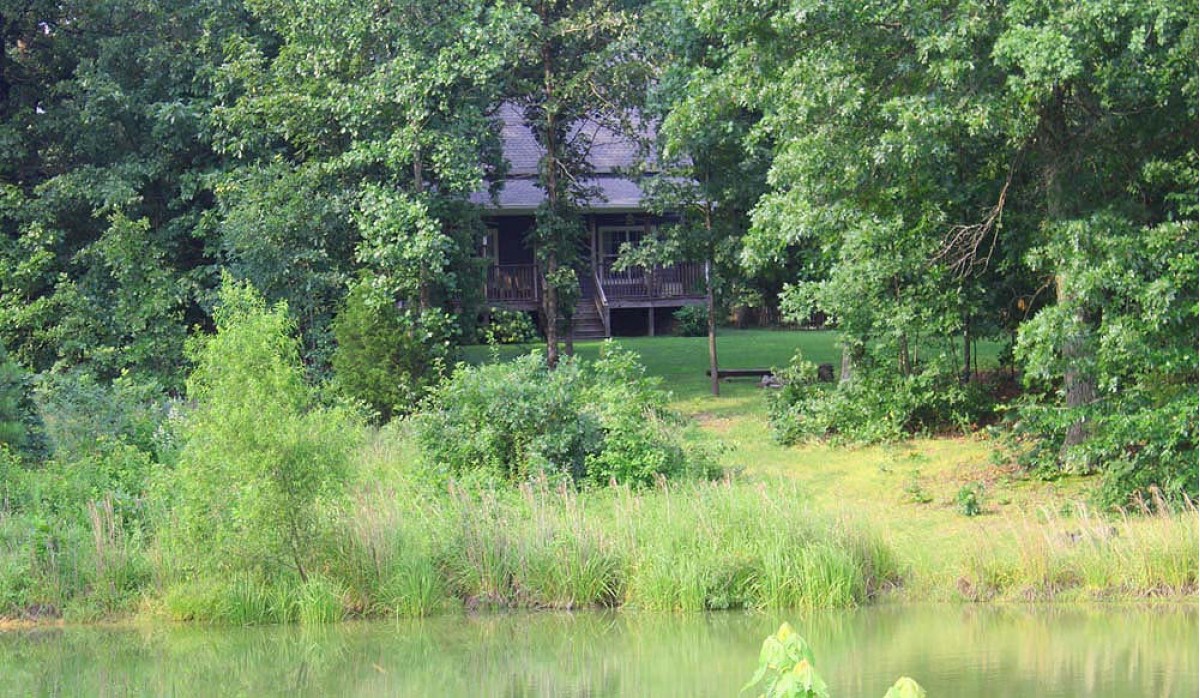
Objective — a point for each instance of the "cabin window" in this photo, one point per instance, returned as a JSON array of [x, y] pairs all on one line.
[[611, 240]]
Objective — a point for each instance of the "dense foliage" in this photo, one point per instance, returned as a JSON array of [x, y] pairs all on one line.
[[387, 356], [872, 406], [520, 421], [1023, 171], [691, 321], [508, 327], [925, 175]]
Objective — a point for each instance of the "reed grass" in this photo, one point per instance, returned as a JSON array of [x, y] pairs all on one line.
[[409, 549], [1083, 554]]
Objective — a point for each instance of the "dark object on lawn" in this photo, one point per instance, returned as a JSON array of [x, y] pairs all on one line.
[[825, 373], [727, 373]]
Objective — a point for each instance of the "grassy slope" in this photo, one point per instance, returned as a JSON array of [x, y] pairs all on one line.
[[876, 483]]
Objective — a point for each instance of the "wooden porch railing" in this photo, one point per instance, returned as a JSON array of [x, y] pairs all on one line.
[[513, 283], [682, 280], [602, 303]]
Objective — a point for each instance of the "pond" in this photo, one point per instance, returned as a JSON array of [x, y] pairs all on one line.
[[954, 651]]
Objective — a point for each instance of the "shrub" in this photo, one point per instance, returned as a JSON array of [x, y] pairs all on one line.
[[691, 321], [520, 420], [1146, 445], [260, 459], [77, 409], [970, 499], [387, 357], [19, 426], [508, 327], [877, 404]]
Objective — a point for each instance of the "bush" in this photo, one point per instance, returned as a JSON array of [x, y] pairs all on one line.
[[691, 321], [970, 499], [877, 404], [520, 420], [77, 409], [1132, 314], [261, 460], [388, 357], [19, 426], [508, 327]]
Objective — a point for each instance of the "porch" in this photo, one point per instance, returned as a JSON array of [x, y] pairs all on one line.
[[512, 280], [518, 286]]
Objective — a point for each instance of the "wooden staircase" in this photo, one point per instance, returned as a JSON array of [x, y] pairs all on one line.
[[587, 322]]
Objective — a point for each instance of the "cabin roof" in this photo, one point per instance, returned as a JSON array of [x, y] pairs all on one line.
[[610, 154], [523, 194]]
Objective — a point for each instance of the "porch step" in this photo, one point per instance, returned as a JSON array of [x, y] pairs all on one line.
[[587, 323]]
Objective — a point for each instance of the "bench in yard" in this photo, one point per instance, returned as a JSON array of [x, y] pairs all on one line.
[[824, 373], [741, 372]]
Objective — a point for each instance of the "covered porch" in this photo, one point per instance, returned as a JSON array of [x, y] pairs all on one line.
[[512, 280]]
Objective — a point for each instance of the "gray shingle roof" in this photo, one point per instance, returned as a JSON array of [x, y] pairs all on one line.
[[609, 154], [615, 193]]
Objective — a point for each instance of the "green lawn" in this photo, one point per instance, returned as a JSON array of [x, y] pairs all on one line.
[[682, 361], [880, 484]]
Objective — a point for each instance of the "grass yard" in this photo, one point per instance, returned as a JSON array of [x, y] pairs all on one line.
[[905, 490]]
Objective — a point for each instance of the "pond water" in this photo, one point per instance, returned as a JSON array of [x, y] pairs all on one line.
[[954, 651]]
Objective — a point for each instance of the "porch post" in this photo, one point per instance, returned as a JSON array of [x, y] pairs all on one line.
[[650, 316]]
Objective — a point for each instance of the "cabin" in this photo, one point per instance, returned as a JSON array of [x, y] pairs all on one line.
[[625, 302]]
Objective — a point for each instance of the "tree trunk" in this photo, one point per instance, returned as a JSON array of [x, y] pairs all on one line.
[[966, 372], [905, 364], [903, 360], [292, 539], [710, 301], [550, 309], [847, 365], [549, 290], [1079, 382]]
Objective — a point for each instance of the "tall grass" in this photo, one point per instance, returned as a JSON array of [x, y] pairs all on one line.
[[409, 549], [399, 545], [1080, 553]]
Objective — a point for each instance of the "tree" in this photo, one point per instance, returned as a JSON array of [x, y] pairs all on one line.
[[16, 411], [102, 180], [388, 356], [710, 174], [261, 458], [1102, 97], [939, 152], [579, 64], [361, 130]]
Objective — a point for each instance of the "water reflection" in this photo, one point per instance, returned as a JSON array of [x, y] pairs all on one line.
[[952, 650]]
